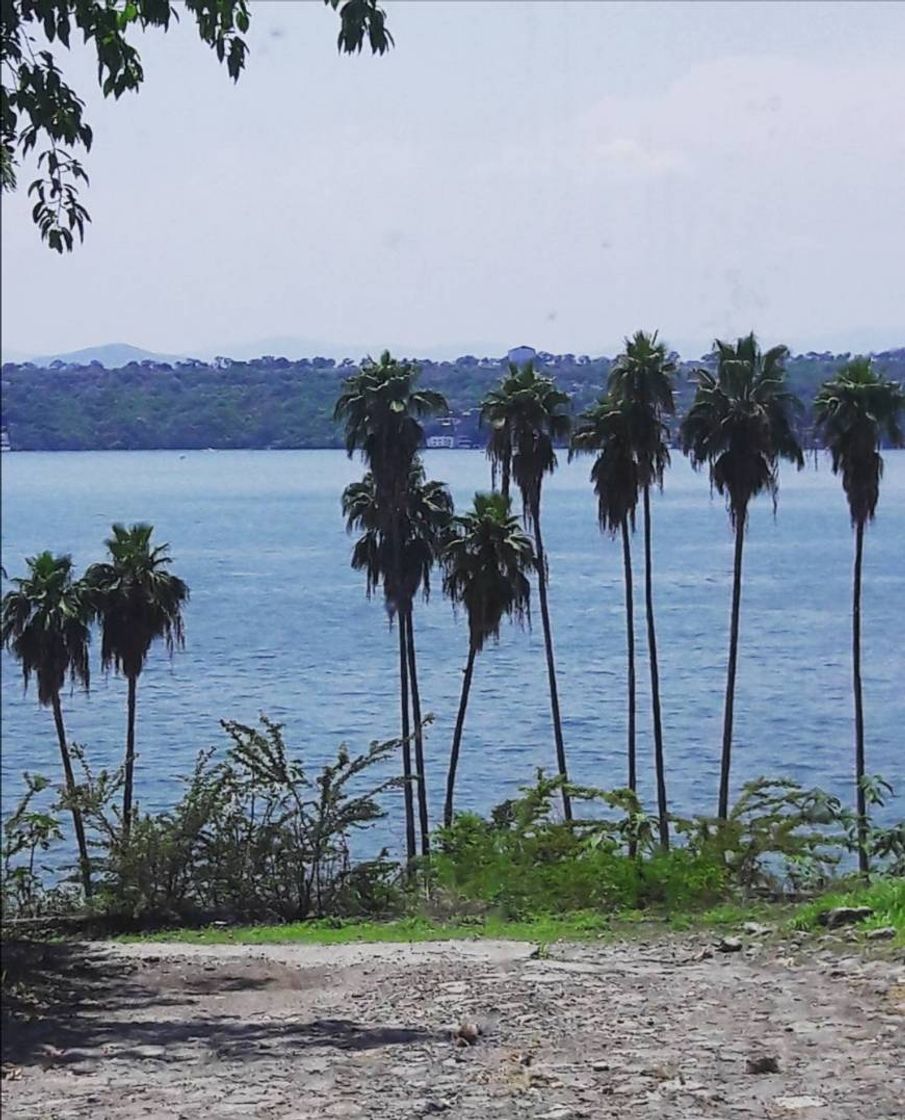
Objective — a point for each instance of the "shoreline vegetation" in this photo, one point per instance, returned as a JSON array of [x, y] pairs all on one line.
[[275, 402], [258, 839]]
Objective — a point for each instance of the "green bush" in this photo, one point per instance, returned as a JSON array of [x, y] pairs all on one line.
[[523, 861], [253, 838]]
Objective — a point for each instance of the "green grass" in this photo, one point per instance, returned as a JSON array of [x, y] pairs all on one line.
[[576, 926], [886, 898]]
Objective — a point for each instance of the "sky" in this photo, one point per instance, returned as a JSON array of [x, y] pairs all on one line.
[[551, 174]]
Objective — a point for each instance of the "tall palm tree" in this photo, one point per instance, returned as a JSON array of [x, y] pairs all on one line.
[[428, 511], [604, 430], [855, 410], [137, 602], [741, 423], [381, 408], [45, 626], [642, 378], [526, 415], [486, 562]]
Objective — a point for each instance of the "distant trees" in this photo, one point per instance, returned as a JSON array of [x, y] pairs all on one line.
[[741, 425], [137, 602], [44, 624], [486, 565], [527, 415], [381, 408], [855, 410], [605, 430], [642, 381], [246, 405]]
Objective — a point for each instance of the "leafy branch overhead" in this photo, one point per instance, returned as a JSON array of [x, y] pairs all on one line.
[[40, 112]]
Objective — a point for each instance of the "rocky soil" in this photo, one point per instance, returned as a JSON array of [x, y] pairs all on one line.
[[669, 1027]]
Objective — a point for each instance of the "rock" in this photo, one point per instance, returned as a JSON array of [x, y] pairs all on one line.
[[844, 916], [883, 933], [797, 1104], [467, 1034], [755, 929], [729, 945], [762, 1063]]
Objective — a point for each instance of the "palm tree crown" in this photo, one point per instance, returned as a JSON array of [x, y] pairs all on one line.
[[425, 518], [605, 430], [45, 625], [382, 407], [742, 423], [486, 563], [137, 600], [642, 378], [856, 410], [527, 414]]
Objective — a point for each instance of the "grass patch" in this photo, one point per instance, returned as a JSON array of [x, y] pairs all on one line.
[[886, 898], [542, 928]]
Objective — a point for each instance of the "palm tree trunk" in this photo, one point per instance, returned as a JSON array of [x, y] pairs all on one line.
[[860, 796], [78, 824], [630, 660], [407, 791], [659, 765], [419, 736], [457, 737], [723, 810], [130, 761], [551, 666]]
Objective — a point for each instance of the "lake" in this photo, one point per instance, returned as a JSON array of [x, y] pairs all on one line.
[[279, 623]]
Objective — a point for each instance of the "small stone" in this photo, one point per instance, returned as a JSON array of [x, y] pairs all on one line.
[[729, 945], [797, 1104], [755, 929], [883, 933], [844, 916], [467, 1034], [762, 1063]]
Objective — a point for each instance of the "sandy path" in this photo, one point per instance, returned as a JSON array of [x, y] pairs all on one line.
[[660, 1028]]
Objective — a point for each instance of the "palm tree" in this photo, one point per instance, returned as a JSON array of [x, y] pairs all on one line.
[[526, 414], [741, 424], [428, 511], [604, 430], [45, 626], [381, 408], [486, 563], [138, 602], [642, 378], [856, 409]]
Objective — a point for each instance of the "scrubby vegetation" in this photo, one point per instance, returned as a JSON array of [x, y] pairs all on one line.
[[256, 838]]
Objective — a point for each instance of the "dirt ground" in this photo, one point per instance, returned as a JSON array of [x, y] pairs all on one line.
[[664, 1027]]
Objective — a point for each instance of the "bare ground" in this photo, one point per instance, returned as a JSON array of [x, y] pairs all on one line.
[[662, 1027]]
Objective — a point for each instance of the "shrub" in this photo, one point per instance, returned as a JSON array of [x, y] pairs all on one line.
[[523, 861], [253, 838]]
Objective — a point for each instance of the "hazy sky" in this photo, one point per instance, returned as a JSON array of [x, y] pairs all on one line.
[[556, 174]]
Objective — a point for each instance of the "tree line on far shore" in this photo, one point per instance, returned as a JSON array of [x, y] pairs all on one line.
[[740, 423], [277, 402]]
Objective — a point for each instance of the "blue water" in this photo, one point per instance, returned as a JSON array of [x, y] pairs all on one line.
[[279, 623]]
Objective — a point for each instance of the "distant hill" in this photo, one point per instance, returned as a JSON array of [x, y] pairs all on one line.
[[112, 355]]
